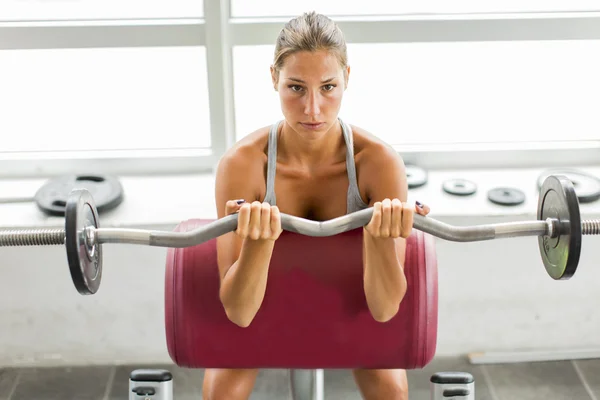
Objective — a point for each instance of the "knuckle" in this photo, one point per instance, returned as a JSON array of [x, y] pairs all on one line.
[[243, 233], [266, 234]]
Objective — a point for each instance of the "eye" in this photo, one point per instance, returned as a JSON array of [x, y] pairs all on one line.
[[329, 88], [295, 88]]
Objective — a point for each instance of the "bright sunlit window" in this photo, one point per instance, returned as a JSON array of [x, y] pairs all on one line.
[[270, 8], [422, 93], [104, 99], [33, 10]]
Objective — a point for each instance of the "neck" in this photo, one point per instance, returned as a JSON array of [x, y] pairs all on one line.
[[310, 152]]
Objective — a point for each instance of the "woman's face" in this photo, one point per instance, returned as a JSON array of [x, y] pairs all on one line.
[[311, 86]]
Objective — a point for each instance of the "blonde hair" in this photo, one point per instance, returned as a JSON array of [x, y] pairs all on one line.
[[310, 32]]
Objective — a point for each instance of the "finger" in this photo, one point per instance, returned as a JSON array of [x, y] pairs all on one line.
[[375, 224], [275, 220], [396, 224], [243, 220], [265, 221], [407, 219], [421, 208], [233, 206], [255, 220], [386, 217]]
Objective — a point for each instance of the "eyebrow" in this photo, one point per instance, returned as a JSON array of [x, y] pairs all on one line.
[[301, 81]]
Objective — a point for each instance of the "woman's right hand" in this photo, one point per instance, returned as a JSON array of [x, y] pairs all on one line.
[[256, 220]]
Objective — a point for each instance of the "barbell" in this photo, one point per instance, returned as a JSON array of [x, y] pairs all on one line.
[[558, 226]]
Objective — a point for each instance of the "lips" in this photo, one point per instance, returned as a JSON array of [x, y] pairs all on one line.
[[312, 125]]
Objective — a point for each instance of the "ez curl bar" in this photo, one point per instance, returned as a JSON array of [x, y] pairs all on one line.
[[558, 226]]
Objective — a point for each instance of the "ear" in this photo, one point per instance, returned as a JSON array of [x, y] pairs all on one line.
[[274, 77], [347, 75]]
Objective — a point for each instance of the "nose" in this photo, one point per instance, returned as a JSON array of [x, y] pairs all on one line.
[[312, 106]]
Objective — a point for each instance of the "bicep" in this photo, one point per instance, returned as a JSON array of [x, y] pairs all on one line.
[[385, 173], [232, 182]]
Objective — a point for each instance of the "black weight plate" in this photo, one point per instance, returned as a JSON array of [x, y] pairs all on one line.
[[415, 176], [506, 196], [52, 197], [459, 187], [587, 187], [85, 261], [558, 200]]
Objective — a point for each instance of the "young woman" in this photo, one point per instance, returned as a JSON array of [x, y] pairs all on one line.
[[311, 165]]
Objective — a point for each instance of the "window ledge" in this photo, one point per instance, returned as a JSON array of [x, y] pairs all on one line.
[[167, 200]]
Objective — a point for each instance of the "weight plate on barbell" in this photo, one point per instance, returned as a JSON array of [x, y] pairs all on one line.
[[459, 187], [85, 261], [506, 196], [587, 187], [52, 197], [561, 253], [415, 176]]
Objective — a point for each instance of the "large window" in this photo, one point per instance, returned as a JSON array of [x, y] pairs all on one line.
[[167, 86], [438, 93], [35, 10], [104, 99], [274, 8]]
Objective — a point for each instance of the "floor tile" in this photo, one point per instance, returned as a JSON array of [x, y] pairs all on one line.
[[81, 383], [552, 380], [590, 371], [8, 381]]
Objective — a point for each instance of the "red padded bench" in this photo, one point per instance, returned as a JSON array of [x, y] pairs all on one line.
[[314, 314]]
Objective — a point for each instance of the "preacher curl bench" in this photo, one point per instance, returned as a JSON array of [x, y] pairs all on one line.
[[314, 316]]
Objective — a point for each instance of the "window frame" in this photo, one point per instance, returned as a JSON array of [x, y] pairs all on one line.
[[219, 33]]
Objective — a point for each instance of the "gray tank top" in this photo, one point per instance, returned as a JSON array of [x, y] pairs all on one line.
[[354, 201]]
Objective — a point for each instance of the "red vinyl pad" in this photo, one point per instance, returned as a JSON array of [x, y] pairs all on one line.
[[314, 314]]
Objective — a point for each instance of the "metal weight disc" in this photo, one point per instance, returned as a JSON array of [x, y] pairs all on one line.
[[415, 176], [561, 253], [459, 187], [506, 196], [83, 254], [587, 187], [52, 197]]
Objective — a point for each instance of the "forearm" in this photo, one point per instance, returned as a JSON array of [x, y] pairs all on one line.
[[243, 286], [384, 279]]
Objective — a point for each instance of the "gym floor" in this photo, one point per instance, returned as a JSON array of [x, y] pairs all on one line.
[[568, 380]]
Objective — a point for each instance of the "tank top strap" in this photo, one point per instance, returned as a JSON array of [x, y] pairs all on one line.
[[354, 199], [272, 164]]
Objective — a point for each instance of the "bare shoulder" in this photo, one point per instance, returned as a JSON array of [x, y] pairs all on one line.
[[371, 151], [247, 152], [380, 169], [239, 172]]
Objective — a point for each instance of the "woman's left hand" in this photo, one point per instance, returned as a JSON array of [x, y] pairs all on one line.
[[393, 218]]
